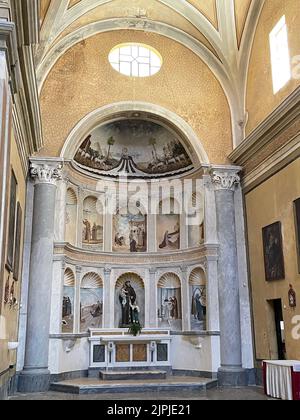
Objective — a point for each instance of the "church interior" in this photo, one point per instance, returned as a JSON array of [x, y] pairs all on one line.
[[149, 195]]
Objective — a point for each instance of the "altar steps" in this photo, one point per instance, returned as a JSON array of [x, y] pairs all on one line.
[[85, 386], [139, 375]]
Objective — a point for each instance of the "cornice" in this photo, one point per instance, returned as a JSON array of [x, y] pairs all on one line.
[[77, 255], [271, 127], [272, 145]]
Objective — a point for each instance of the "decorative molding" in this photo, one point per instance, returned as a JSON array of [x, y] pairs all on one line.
[[85, 258], [46, 173], [272, 145], [225, 179]]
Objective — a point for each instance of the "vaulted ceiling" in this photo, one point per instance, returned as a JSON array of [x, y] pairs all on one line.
[[220, 32]]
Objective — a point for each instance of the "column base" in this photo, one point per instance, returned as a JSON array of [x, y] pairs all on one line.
[[232, 377], [34, 380]]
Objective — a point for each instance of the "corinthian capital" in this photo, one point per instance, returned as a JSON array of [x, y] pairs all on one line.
[[225, 179], [46, 172]]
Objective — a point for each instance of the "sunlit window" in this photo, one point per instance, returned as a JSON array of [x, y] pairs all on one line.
[[280, 56], [135, 60]]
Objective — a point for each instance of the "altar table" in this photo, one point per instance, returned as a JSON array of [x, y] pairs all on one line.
[[282, 379]]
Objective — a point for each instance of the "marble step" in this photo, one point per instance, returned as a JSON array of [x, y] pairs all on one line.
[[139, 375], [86, 386]]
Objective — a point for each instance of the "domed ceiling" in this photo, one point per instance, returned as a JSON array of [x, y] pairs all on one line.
[[135, 148], [220, 32]]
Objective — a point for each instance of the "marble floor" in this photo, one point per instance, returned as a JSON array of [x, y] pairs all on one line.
[[239, 394]]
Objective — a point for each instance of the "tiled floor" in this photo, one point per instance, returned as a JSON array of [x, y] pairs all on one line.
[[214, 394]]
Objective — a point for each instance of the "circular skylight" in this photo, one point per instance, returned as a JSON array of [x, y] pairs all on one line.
[[135, 60]]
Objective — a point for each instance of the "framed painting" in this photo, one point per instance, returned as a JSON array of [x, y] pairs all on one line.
[[273, 252], [297, 225], [17, 255], [12, 222]]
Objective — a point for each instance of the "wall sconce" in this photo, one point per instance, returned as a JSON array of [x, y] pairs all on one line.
[[13, 345]]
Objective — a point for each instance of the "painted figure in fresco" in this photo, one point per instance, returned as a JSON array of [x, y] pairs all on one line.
[[87, 231], [174, 308], [171, 240], [67, 307], [119, 240], [127, 300], [198, 305], [94, 232]]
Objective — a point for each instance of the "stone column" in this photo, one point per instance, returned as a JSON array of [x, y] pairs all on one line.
[[79, 217], [231, 372], [186, 318], [212, 301], [106, 299], [35, 376], [153, 298], [60, 211], [77, 299]]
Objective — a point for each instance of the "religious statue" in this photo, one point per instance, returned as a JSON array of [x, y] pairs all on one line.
[[87, 231], [127, 300]]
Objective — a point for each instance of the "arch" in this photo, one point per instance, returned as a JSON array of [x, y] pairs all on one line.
[[128, 277], [169, 281], [71, 196], [91, 281], [197, 277], [69, 278], [121, 110]]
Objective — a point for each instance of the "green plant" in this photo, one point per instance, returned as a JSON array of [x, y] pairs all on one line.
[[135, 329]]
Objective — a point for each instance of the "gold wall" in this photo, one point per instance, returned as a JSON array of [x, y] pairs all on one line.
[[83, 81], [11, 316], [261, 100], [272, 202]]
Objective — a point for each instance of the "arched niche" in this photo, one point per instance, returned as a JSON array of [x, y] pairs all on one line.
[[129, 291], [169, 302], [197, 291], [168, 226], [71, 217], [130, 230], [68, 302], [91, 302], [195, 220], [92, 234]]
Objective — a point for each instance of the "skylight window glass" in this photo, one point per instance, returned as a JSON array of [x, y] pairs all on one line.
[[135, 60]]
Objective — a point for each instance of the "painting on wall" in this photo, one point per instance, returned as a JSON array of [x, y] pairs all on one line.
[[92, 234], [196, 236], [168, 232], [129, 233], [169, 303], [297, 223], [273, 252], [12, 222], [137, 148], [198, 309], [68, 310], [91, 302]]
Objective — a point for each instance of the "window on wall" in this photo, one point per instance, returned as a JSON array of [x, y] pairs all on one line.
[[135, 60], [280, 56]]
